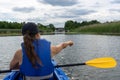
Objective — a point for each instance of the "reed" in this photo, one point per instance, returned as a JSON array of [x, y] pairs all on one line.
[[108, 28]]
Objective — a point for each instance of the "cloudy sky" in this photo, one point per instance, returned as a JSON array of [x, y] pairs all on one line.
[[58, 12]]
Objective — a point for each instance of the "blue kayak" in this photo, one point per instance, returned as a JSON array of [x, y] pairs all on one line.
[[59, 74]]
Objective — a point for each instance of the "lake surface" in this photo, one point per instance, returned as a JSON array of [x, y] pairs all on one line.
[[86, 47]]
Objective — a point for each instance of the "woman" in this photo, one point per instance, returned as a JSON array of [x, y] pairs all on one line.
[[34, 59]]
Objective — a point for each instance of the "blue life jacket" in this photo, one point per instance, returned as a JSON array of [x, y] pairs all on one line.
[[42, 49]]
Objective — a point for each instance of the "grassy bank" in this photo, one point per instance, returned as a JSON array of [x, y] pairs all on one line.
[[104, 28], [19, 34], [10, 34]]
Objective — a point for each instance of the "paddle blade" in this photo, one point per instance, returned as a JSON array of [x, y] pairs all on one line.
[[105, 62]]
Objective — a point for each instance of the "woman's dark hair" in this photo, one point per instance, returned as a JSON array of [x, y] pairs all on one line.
[[28, 38]]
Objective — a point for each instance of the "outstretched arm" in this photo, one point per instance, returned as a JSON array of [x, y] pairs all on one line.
[[56, 49]]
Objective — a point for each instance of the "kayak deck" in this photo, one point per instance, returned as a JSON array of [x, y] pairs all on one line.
[[58, 74]]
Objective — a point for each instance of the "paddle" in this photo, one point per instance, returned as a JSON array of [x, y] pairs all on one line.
[[5, 71], [104, 62]]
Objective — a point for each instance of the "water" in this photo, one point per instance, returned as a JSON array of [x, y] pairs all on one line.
[[86, 47]]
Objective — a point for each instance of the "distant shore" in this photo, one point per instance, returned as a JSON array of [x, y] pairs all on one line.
[[67, 33]]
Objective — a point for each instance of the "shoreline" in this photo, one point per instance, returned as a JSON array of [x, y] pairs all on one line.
[[67, 33]]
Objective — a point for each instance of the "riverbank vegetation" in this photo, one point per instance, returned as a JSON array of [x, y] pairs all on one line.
[[95, 27], [14, 28], [71, 27], [105, 28]]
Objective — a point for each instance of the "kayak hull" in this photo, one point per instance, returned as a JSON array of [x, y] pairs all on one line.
[[58, 74]]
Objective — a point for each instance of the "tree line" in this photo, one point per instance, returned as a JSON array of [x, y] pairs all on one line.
[[71, 25], [16, 25]]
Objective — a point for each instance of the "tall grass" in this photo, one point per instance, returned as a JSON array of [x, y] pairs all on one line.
[[113, 27]]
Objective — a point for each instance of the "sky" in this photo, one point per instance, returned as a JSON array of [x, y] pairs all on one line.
[[57, 12]]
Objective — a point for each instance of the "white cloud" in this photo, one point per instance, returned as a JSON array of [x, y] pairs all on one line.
[[57, 12]]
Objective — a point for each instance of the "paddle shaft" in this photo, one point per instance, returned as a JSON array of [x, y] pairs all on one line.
[[66, 65], [5, 71], [70, 65]]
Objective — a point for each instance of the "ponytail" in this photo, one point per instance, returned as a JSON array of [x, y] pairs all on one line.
[[32, 56]]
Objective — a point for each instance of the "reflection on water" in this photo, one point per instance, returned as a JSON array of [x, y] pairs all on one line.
[[86, 47]]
